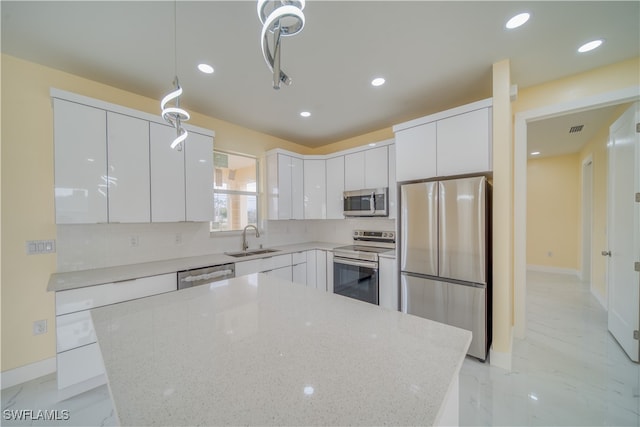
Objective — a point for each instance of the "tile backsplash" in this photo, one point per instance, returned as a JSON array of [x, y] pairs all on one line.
[[81, 247]]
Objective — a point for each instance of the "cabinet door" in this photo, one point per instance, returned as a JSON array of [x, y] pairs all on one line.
[[284, 187], [311, 269], [376, 172], [198, 152], [315, 194], [129, 179], [464, 143], [297, 188], [80, 147], [388, 283], [284, 273], [354, 171], [167, 176], [393, 190], [321, 270], [329, 269], [416, 153], [335, 187], [299, 273]]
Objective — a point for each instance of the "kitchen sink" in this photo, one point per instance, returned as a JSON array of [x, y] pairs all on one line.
[[250, 252]]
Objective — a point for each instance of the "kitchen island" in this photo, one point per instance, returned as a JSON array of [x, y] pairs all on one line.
[[263, 351]]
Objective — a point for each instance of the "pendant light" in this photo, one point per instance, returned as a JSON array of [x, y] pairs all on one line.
[[281, 18], [174, 115]]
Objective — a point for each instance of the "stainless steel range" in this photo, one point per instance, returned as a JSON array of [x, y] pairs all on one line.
[[355, 267]]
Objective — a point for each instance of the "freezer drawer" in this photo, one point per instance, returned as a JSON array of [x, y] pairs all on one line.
[[457, 305]]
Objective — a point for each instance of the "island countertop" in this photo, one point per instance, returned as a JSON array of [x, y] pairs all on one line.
[[257, 350]]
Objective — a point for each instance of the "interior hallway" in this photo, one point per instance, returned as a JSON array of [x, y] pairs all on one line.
[[567, 371]]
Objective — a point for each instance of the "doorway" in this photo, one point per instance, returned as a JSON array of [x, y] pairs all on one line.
[[520, 182]]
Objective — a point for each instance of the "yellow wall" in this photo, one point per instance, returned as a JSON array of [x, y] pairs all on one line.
[[27, 192], [597, 149], [554, 212]]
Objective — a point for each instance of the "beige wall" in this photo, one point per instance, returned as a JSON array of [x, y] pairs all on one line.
[[27, 192], [554, 212]]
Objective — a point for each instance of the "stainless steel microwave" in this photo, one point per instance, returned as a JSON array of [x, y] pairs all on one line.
[[369, 202]]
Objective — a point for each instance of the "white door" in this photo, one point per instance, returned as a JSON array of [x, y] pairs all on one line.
[[624, 230]]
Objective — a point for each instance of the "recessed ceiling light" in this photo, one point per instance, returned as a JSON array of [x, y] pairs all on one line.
[[535, 153], [517, 20], [305, 114], [205, 68], [378, 81], [589, 46]]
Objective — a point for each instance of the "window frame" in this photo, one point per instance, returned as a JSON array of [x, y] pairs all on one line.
[[213, 232]]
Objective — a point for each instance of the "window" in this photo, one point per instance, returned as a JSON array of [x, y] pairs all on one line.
[[235, 191]]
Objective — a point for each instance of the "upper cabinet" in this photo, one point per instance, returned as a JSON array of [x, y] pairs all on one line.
[[128, 172], [285, 186], [80, 163], [335, 187], [315, 189], [453, 142], [366, 169], [114, 164]]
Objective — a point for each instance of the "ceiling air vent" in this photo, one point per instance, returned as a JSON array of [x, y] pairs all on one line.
[[576, 129]]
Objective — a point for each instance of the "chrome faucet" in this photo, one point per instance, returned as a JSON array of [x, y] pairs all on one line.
[[245, 244]]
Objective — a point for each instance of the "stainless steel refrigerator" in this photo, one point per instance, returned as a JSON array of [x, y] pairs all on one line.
[[445, 261]]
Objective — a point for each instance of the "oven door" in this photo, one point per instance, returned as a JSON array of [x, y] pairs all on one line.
[[356, 279]]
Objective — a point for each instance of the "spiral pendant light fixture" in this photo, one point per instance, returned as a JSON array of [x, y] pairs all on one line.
[[281, 18], [174, 115]]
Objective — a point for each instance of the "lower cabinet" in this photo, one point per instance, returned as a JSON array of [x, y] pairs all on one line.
[[388, 289], [281, 273], [263, 265], [80, 366]]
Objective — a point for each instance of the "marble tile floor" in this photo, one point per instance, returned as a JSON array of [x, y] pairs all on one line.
[[568, 371]]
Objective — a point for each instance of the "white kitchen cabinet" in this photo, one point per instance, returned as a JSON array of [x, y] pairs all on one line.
[[80, 163], [315, 191], [198, 158], [376, 172], [261, 265], [416, 152], [284, 273], [79, 362], [312, 275], [393, 190], [128, 171], [464, 143], [335, 187], [285, 186], [388, 289], [329, 270], [167, 176], [321, 269], [299, 273], [354, 171]]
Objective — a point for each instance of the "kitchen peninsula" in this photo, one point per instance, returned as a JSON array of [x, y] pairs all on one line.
[[264, 351]]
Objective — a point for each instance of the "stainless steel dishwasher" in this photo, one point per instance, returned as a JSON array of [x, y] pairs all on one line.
[[205, 276]]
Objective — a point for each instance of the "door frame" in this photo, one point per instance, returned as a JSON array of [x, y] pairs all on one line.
[[586, 269], [621, 96]]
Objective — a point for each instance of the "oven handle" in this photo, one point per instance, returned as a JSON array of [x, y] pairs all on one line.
[[372, 265]]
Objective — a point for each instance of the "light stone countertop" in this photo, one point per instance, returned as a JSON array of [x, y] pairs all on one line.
[[78, 279], [257, 350]]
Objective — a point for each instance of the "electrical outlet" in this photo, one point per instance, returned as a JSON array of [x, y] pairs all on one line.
[[178, 238], [134, 241], [40, 327], [549, 254]]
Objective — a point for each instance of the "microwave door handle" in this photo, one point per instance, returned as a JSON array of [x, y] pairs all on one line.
[[372, 203]]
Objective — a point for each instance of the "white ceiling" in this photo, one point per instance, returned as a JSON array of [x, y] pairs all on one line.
[[434, 55]]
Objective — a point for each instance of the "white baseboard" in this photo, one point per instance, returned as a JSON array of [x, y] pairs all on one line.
[[601, 299], [502, 359], [556, 270], [28, 372]]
